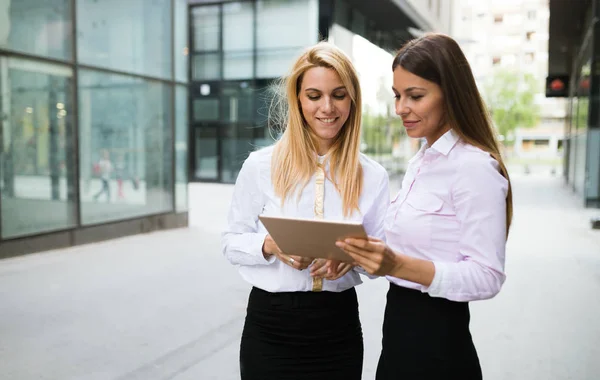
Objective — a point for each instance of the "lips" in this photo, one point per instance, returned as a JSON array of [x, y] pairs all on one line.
[[328, 120], [410, 123]]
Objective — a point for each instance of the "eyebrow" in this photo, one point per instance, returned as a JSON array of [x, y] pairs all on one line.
[[335, 89], [409, 89]]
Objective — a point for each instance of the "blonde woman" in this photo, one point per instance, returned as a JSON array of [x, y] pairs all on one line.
[[302, 317]]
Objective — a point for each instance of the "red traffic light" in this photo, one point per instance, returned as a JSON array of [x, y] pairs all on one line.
[[557, 85]]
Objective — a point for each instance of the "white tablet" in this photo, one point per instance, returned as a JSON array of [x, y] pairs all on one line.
[[312, 237]]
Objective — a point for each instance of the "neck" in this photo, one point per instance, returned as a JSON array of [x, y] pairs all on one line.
[[432, 139], [323, 147]]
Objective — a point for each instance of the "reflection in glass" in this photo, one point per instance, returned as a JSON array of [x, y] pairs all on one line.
[[181, 148], [207, 156], [579, 137], [125, 147], [37, 27], [206, 109], [37, 158], [237, 100], [236, 146], [206, 66], [238, 65], [572, 135], [205, 24], [278, 41], [132, 36], [238, 47], [181, 41]]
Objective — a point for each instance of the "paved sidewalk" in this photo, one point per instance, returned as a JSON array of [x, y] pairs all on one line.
[[167, 305]]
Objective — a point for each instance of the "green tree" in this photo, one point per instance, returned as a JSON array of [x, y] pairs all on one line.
[[510, 98]]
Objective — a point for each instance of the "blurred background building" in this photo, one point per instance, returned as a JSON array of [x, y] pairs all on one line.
[[237, 48], [93, 120], [99, 99], [506, 39], [108, 108], [573, 67]]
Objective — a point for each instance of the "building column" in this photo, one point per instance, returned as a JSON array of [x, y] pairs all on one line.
[[6, 145], [553, 145], [592, 189]]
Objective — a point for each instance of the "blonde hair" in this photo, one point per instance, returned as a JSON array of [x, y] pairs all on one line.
[[295, 158]]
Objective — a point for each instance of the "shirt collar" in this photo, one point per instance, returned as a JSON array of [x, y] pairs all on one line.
[[443, 145], [446, 142]]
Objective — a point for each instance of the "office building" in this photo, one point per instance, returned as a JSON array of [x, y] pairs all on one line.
[[237, 49], [574, 49], [93, 120], [515, 40]]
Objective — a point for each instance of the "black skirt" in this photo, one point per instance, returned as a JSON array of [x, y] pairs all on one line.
[[426, 338], [302, 335]]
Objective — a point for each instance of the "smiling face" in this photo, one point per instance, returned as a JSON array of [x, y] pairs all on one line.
[[420, 104], [325, 105]]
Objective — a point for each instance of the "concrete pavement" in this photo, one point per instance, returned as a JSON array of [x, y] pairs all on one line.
[[167, 305]]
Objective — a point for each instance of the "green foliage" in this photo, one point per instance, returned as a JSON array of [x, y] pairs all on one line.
[[380, 132], [510, 98]]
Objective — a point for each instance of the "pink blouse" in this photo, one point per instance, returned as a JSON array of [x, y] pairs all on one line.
[[451, 210]]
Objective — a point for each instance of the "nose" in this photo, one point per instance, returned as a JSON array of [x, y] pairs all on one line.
[[327, 106], [401, 108]]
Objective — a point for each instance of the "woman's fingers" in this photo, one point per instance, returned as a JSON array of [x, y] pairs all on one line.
[[296, 262], [361, 250], [332, 267], [319, 268], [303, 262], [341, 270]]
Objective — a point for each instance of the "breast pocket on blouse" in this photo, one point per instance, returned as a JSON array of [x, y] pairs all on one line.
[[418, 218]]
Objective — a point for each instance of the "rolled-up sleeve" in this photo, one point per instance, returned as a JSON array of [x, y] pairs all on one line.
[[479, 197], [242, 242]]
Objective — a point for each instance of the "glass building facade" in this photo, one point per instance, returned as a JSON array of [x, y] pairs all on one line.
[[582, 134], [93, 120], [238, 48]]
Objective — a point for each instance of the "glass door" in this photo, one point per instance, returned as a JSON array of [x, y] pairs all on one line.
[[205, 120]]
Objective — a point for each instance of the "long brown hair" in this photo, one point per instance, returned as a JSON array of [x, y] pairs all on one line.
[[295, 159], [438, 58]]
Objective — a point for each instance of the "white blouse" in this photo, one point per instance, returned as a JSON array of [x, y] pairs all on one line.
[[254, 195]]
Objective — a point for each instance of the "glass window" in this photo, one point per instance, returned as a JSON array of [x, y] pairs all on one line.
[[238, 65], [37, 27], [205, 24], [206, 109], [181, 148], [207, 153], [206, 66], [235, 148], [181, 40], [37, 178], [125, 146], [342, 12], [359, 23], [238, 40], [278, 41], [237, 102], [132, 36]]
